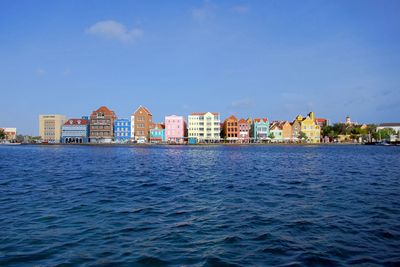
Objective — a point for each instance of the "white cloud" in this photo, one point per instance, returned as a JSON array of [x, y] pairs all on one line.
[[244, 103], [111, 29], [240, 9], [203, 13], [40, 72]]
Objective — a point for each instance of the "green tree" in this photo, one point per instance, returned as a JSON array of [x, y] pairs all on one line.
[[2, 134], [271, 135], [383, 134], [303, 136]]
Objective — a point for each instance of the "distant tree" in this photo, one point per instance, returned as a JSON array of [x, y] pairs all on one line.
[[2, 134], [303, 136], [271, 136], [383, 134]]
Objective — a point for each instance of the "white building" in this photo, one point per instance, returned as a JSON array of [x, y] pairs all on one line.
[[204, 126], [394, 126]]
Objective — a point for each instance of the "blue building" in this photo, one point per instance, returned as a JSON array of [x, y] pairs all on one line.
[[75, 131], [122, 130], [157, 133]]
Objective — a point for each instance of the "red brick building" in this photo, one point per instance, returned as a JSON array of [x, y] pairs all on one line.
[[102, 125]]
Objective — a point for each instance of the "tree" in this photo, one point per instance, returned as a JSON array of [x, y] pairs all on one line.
[[384, 134], [303, 136], [271, 136], [2, 134]]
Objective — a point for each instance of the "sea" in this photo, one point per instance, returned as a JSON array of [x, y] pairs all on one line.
[[217, 205]]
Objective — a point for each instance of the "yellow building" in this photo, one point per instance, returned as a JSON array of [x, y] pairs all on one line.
[[50, 127], [310, 128], [204, 126]]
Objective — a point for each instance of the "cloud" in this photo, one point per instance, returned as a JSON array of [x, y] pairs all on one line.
[[40, 72], [111, 29], [244, 103], [240, 9], [203, 13]]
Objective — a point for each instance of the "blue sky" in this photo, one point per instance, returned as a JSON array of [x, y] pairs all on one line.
[[274, 59]]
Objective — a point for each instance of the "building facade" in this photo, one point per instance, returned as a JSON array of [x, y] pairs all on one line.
[[204, 127], [275, 131], [157, 133], [75, 131], [231, 129], [175, 129], [260, 129], [311, 130], [142, 122], [122, 130], [392, 125], [102, 125], [244, 131], [10, 133], [286, 131], [296, 129], [50, 127]]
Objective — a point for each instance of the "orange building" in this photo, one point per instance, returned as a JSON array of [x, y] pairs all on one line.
[[231, 129], [286, 131], [142, 121]]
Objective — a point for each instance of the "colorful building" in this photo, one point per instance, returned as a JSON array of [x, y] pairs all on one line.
[[142, 122], [50, 127], [311, 130], [204, 126], [231, 129], [75, 131], [122, 130], [157, 133], [175, 129], [275, 131], [102, 125], [296, 129], [286, 131], [260, 129], [10, 133], [244, 131]]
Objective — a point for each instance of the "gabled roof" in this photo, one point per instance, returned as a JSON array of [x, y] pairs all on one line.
[[231, 118], [144, 109], [243, 121], [159, 126], [320, 120], [104, 110], [76, 122], [260, 120]]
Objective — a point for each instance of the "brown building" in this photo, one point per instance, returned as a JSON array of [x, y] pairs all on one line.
[[142, 122], [296, 129], [102, 125], [231, 129]]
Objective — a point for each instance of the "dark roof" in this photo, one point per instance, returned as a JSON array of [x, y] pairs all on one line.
[[390, 124]]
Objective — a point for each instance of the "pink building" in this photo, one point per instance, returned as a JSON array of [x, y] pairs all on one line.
[[175, 129]]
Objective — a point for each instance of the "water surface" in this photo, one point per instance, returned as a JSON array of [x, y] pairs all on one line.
[[200, 206]]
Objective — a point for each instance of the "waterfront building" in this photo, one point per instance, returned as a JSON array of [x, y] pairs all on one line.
[[393, 125], [260, 129], [204, 126], [122, 130], [50, 127], [157, 133], [102, 125], [275, 130], [175, 129], [296, 129], [231, 129], [244, 131], [11, 133], [75, 131], [321, 122], [286, 131], [310, 128], [142, 122]]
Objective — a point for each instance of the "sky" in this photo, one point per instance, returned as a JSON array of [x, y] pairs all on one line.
[[273, 59]]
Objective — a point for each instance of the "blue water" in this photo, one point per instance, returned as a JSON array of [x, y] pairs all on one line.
[[200, 206]]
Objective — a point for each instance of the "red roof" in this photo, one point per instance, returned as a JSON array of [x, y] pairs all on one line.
[[144, 109], [260, 120], [76, 122], [320, 120], [242, 121], [104, 110]]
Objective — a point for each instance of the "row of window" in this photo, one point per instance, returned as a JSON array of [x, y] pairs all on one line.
[[122, 123]]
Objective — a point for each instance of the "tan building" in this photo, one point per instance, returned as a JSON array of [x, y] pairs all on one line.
[[11, 133], [141, 122], [102, 125], [50, 127]]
